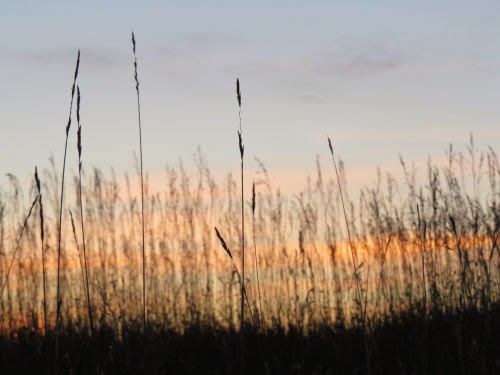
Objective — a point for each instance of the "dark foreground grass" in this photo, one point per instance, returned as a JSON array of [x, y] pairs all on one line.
[[458, 343], [421, 255]]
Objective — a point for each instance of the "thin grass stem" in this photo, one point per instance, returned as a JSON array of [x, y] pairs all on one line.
[[18, 245], [80, 203], [42, 238], [242, 151], [359, 302], [142, 189], [59, 235], [256, 257]]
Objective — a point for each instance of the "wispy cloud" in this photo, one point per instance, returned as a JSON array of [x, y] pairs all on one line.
[[450, 67], [311, 98], [366, 63], [93, 57], [278, 55]]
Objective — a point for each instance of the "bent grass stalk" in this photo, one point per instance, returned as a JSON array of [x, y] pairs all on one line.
[[142, 189], [235, 269], [362, 310], [18, 245], [353, 257]]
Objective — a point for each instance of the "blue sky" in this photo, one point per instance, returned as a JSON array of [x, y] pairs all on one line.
[[380, 77]]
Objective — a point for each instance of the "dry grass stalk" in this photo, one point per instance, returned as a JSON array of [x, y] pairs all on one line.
[[79, 253], [235, 270], [242, 151], [223, 243], [142, 189], [357, 278], [80, 202], [255, 256], [353, 257], [58, 293], [18, 245], [422, 229], [42, 238]]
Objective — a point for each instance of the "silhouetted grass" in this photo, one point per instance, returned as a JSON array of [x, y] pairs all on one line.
[[80, 203], [403, 279], [61, 207], [42, 238], [215, 350], [136, 78]]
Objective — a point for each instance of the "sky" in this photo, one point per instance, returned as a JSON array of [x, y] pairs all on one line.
[[381, 78]]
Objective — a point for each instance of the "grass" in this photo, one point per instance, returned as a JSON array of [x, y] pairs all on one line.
[[80, 203], [136, 78], [359, 301], [42, 238], [242, 186], [256, 258], [61, 207], [212, 350], [405, 279], [18, 246]]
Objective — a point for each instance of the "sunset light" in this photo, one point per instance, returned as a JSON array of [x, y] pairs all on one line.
[[260, 188]]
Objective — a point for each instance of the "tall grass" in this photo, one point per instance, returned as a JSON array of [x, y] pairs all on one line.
[[303, 286], [18, 245], [81, 264], [355, 267], [243, 292], [356, 276], [59, 237], [80, 203], [460, 260], [142, 189], [415, 252], [422, 229], [42, 239], [256, 258]]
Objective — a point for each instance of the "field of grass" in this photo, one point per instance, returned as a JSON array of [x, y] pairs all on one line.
[[103, 276]]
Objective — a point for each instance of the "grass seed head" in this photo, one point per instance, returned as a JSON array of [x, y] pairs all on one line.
[[240, 141], [73, 225], [68, 126], [253, 198], [76, 74], [79, 142], [39, 188], [77, 66], [136, 77], [78, 104], [223, 243], [238, 92]]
